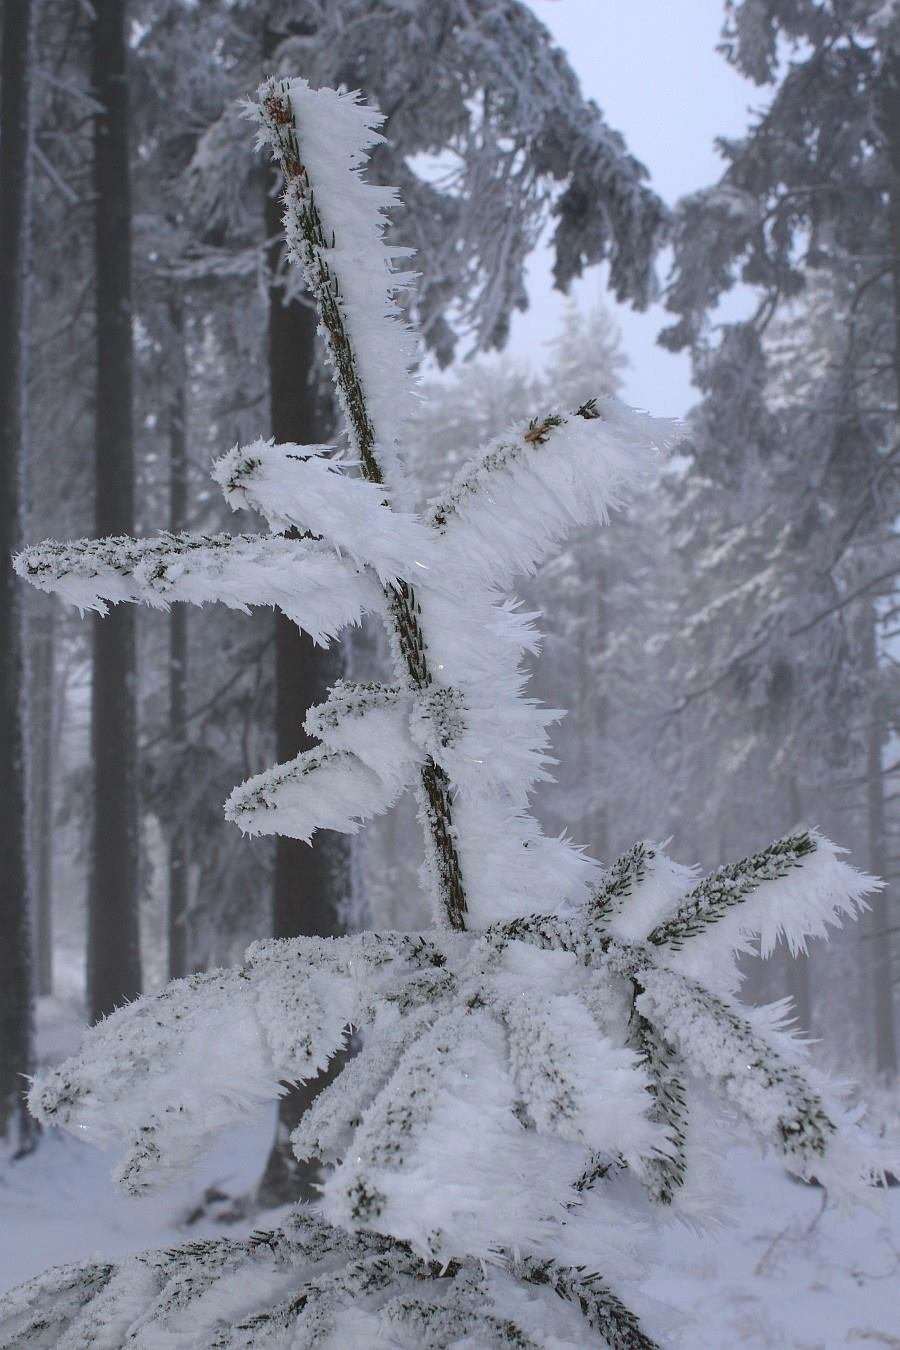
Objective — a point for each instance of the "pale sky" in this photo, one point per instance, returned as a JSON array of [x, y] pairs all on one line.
[[653, 68]]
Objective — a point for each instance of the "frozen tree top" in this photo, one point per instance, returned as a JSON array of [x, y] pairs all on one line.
[[546, 1068]]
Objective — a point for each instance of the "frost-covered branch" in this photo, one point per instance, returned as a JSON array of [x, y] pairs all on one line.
[[307, 1281], [306, 579], [527, 490], [370, 350], [310, 488]]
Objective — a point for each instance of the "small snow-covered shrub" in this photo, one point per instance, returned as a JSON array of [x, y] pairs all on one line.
[[550, 1066]]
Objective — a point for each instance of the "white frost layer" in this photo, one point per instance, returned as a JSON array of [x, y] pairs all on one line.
[[307, 580], [816, 895], [551, 1040], [311, 488], [653, 898], [529, 488], [440, 1159], [319, 790], [334, 135], [370, 721], [758, 1068], [512, 867]]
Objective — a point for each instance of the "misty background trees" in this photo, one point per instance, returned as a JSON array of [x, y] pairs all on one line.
[[732, 647]]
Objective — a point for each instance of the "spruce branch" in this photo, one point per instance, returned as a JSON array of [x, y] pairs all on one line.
[[600, 1307], [312, 248], [728, 886], [663, 1176], [308, 580], [436, 1324], [718, 1044], [479, 477], [617, 886]]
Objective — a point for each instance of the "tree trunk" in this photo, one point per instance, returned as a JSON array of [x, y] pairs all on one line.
[[16, 1125], [179, 857], [310, 882], [880, 923], [42, 692], [114, 968], [879, 979], [799, 985], [596, 672], [889, 117]]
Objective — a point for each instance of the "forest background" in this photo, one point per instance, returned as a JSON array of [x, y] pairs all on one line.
[[729, 647]]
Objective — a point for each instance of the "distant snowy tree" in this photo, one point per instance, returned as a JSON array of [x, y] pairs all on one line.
[[545, 1068], [793, 592]]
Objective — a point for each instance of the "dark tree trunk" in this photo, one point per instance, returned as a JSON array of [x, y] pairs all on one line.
[[879, 977], [890, 123], [310, 881], [114, 967], [15, 935], [178, 642], [799, 983], [880, 919], [42, 699], [596, 669]]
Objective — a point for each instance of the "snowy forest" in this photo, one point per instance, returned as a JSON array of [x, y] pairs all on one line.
[[449, 846]]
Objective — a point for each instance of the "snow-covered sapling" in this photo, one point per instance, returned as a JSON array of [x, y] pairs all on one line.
[[548, 1066]]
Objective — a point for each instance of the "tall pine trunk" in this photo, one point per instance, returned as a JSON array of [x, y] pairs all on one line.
[[880, 920], [179, 857], [15, 928], [310, 881], [799, 982], [42, 700], [114, 968]]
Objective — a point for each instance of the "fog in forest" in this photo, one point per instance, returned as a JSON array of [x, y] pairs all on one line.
[[719, 243]]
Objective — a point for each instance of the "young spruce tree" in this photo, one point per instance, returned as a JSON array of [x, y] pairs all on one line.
[[525, 1095]]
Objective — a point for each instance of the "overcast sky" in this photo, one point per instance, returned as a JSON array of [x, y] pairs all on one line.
[[653, 68]]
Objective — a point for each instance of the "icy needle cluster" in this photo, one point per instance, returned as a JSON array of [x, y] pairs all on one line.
[[544, 1068]]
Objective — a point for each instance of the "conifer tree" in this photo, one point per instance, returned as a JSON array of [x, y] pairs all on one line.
[[15, 890], [804, 570], [525, 1096]]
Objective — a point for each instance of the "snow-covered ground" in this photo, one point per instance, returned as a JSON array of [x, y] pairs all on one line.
[[788, 1274]]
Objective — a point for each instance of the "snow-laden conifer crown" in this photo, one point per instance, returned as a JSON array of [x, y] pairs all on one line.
[[545, 1068]]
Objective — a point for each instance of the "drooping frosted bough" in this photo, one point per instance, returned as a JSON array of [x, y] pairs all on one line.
[[524, 1099]]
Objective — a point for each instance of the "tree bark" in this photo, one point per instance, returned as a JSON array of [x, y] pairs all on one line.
[[799, 983], [15, 928], [310, 881], [179, 857], [114, 968], [42, 692], [879, 979], [880, 922]]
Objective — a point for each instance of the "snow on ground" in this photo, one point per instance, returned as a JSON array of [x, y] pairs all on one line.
[[788, 1275]]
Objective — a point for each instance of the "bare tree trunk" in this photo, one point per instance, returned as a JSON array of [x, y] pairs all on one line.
[[799, 984], [15, 928], [114, 967], [889, 117], [179, 856], [310, 882], [880, 921], [879, 980], [42, 692], [598, 677]]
